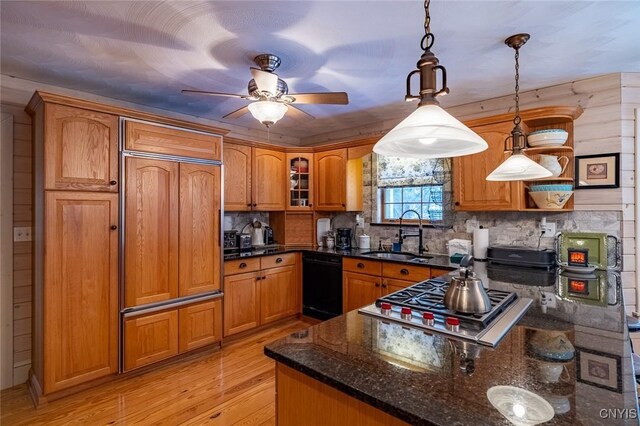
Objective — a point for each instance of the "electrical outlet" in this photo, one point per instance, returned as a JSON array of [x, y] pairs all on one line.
[[549, 229], [548, 299], [22, 234], [360, 220]]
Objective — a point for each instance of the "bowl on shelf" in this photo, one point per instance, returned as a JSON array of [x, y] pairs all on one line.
[[551, 187], [550, 199], [547, 137]]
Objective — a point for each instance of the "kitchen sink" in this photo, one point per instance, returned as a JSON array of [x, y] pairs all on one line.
[[409, 257]]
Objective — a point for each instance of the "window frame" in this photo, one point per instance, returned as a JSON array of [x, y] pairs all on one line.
[[411, 219]]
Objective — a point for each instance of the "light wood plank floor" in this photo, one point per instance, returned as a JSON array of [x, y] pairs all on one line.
[[232, 386]]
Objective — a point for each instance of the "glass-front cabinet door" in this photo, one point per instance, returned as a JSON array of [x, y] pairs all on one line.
[[300, 194]]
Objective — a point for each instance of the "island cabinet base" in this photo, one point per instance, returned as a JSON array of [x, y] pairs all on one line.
[[301, 399]]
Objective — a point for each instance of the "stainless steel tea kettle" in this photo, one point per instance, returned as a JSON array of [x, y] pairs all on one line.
[[466, 293]]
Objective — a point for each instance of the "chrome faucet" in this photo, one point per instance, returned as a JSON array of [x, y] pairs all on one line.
[[402, 236]]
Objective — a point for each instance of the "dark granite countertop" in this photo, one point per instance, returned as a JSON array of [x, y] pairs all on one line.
[[431, 259], [426, 379]]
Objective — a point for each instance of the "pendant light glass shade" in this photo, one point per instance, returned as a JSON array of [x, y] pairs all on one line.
[[430, 132], [267, 112], [519, 167]]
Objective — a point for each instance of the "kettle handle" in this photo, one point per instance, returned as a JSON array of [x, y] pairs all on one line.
[[467, 260]]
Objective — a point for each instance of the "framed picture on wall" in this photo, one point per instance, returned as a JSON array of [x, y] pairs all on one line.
[[598, 171], [599, 369]]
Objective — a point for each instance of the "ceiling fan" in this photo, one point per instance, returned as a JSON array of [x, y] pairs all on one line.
[[271, 95]]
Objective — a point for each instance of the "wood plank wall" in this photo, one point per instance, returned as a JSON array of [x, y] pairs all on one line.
[[22, 216]]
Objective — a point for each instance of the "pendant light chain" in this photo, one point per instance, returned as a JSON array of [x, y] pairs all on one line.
[[516, 119], [428, 38]]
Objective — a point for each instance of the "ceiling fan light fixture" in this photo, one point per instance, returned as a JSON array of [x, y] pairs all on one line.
[[429, 131], [267, 112]]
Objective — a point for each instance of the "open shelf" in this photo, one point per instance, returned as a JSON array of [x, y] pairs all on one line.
[[544, 149], [552, 179]]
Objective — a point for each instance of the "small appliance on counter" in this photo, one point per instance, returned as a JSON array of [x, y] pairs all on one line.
[[244, 243], [522, 256], [257, 234], [230, 241], [268, 235], [587, 251], [323, 225], [343, 239], [364, 242]]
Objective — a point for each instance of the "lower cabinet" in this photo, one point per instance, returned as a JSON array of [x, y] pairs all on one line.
[[364, 281], [153, 337], [260, 296]]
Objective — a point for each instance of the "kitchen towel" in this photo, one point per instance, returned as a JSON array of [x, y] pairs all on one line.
[[480, 243]]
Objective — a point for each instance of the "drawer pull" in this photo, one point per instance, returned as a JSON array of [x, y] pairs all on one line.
[[404, 271], [113, 182], [242, 265], [258, 278], [360, 265], [114, 227], [279, 260], [264, 278], [384, 285], [377, 284]]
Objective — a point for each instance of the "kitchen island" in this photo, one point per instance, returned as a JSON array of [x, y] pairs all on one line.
[[364, 370]]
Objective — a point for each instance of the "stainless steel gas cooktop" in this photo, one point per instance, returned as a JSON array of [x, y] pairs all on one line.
[[422, 306]]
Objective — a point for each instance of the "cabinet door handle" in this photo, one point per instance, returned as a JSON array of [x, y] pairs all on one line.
[[310, 205], [255, 205], [113, 182], [384, 285], [249, 205], [258, 278], [457, 203], [242, 265], [279, 260], [404, 271], [114, 227], [264, 278], [360, 265], [344, 205], [377, 284]]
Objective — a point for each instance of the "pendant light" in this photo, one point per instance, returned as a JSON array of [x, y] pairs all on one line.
[[267, 112], [518, 166], [430, 131]]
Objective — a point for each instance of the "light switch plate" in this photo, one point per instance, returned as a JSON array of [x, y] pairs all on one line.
[[21, 234]]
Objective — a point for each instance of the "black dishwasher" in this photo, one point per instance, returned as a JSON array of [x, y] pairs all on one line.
[[321, 285]]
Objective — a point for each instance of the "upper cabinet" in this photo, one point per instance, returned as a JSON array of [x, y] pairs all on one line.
[[254, 178], [471, 190], [237, 177], [80, 149], [337, 181], [300, 194], [268, 180], [167, 140], [331, 180]]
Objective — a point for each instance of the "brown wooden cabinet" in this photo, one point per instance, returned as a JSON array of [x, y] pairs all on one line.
[[150, 338], [471, 190], [241, 302], [80, 297], [80, 149], [200, 325], [199, 233], [259, 293], [359, 290], [330, 180], [278, 294], [364, 281], [237, 177], [268, 179], [300, 193], [151, 231], [168, 140]]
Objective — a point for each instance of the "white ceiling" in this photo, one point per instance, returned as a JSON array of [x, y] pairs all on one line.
[[146, 51]]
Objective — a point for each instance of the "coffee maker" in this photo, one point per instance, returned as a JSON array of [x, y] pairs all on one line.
[[343, 239]]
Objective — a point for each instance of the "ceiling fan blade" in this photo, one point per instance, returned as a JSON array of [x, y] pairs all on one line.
[[229, 95], [298, 114], [238, 113], [338, 98], [266, 81]]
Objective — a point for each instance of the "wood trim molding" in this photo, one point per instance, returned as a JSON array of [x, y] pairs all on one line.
[[39, 97], [569, 113]]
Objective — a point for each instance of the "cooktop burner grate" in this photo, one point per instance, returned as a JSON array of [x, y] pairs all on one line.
[[429, 296]]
